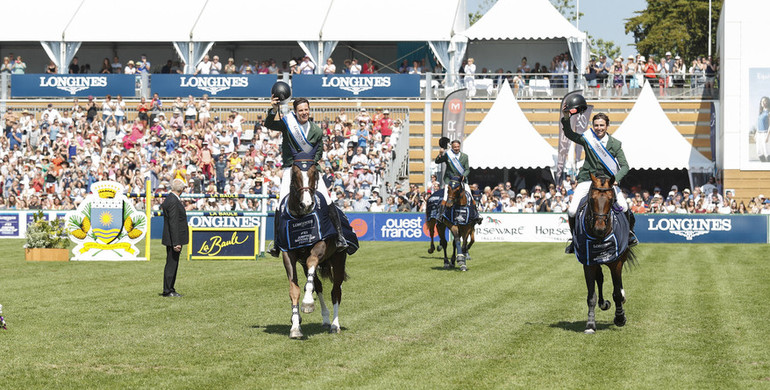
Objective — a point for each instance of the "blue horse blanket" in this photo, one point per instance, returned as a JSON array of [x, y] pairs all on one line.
[[591, 250], [457, 215], [300, 232]]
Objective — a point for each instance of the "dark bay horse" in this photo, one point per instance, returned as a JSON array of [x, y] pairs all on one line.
[[602, 245], [460, 225], [321, 256], [433, 224]]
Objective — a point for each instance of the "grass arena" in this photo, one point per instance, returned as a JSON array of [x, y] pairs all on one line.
[[696, 319]]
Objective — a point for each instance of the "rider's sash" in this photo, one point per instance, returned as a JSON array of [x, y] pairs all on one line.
[[454, 159], [600, 151], [296, 132]]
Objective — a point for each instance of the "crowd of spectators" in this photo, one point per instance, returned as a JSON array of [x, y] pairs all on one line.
[[50, 159]]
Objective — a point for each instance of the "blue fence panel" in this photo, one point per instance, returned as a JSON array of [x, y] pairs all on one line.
[[51, 85], [356, 86], [225, 85], [699, 228]]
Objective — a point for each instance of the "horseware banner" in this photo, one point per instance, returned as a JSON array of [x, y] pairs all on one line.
[[579, 125], [51, 85]]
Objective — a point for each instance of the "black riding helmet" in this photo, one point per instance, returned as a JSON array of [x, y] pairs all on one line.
[[575, 104]]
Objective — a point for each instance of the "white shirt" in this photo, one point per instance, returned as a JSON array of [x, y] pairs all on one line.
[[355, 69], [306, 67], [203, 68]]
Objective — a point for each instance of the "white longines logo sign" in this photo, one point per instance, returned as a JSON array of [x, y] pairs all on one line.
[[213, 85], [355, 85], [73, 85], [690, 227]]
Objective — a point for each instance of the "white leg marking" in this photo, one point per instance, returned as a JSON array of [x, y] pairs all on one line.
[[324, 310], [336, 321], [309, 286]]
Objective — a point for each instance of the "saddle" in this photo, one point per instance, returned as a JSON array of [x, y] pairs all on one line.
[[456, 215], [592, 250], [299, 232]]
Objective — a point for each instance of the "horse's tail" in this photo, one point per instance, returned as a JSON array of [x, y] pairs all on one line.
[[630, 257], [324, 269]]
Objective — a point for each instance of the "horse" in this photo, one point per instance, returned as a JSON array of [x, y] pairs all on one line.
[[461, 227], [598, 221], [433, 224], [321, 256]]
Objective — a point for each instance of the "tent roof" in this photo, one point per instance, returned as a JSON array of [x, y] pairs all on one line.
[[650, 140], [262, 21], [506, 139], [395, 20], [162, 21], [523, 19], [31, 21]]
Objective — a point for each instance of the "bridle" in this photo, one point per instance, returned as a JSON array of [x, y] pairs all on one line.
[[455, 185], [305, 165], [594, 216]]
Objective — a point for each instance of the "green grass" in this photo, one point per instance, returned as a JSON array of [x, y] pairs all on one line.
[[697, 318]]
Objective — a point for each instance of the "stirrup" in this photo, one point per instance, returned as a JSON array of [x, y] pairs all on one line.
[[274, 251], [570, 247], [632, 240], [342, 243]]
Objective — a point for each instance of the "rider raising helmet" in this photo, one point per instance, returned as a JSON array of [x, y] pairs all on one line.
[[604, 156], [456, 166], [299, 133]]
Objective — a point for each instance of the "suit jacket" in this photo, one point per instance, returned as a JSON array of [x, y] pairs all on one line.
[[592, 163], [175, 230], [450, 169]]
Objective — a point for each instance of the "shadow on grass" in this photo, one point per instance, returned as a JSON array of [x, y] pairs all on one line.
[[307, 329], [578, 326]]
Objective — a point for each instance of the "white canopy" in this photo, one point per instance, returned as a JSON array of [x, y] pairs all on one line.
[[650, 140], [530, 20], [506, 139]]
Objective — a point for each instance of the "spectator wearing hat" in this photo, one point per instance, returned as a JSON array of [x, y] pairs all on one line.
[[385, 125], [354, 67], [130, 69]]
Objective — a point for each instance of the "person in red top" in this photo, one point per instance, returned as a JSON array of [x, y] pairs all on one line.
[[368, 67], [651, 72], [385, 125]]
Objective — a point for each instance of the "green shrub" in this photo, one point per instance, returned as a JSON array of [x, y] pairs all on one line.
[[42, 233]]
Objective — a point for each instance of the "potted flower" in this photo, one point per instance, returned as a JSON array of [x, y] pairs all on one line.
[[46, 241]]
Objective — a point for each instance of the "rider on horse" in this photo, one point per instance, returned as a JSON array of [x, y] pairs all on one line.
[[456, 166], [300, 134], [604, 155]]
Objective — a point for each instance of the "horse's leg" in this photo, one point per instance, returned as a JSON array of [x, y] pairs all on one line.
[[290, 264], [338, 276], [471, 237], [316, 253], [319, 292], [431, 224], [604, 305], [443, 244], [458, 248], [589, 271], [618, 294]]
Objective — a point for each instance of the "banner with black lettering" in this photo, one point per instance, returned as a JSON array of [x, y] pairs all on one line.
[[453, 123], [580, 125]]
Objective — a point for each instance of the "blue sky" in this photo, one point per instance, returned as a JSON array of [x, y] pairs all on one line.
[[601, 19]]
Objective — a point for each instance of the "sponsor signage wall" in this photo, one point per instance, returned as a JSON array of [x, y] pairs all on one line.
[[223, 243], [240, 85], [356, 86], [698, 228], [51, 85]]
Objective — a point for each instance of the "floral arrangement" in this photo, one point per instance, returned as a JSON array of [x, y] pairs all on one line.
[[46, 234]]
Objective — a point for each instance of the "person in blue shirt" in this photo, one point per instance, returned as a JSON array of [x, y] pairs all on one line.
[[763, 124]]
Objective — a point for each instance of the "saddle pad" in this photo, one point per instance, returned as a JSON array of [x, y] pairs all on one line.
[[433, 204], [590, 250], [300, 232]]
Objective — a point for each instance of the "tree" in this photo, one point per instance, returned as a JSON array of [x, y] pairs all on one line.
[[567, 10], [483, 7], [606, 48], [678, 26]]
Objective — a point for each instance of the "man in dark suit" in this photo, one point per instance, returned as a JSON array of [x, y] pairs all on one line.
[[175, 234]]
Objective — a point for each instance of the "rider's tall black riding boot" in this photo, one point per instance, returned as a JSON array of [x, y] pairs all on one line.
[[571, 246], [274, 251], [632, 241], [441, 210], [334, 216]]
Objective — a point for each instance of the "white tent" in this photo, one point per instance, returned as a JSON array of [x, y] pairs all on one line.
[[506, 139], [650, 140], [524, 28]]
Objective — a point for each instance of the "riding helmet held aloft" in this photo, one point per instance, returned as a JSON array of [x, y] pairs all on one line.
[[443, 142], [575, 104], [281, 90]]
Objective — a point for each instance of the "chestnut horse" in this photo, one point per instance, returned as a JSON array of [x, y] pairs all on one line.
[[321, 256], [598, 223], [463, 232]]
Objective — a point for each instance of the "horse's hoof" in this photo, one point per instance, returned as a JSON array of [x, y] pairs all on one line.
[[295, 334], [589, 331], [467, 257], [605, 305], [335, 330], [308, 307], [430, 250], [620, 321], [438, 248], [447, 266], [463, 268], [326, 326]]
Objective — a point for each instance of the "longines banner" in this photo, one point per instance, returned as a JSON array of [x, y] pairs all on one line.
[[356, 86], [54, 85], [223, 85]]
